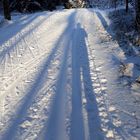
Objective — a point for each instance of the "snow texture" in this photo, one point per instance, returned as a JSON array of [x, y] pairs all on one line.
[[66, 75]]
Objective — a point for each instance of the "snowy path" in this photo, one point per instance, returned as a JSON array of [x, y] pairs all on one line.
[[54, 79]]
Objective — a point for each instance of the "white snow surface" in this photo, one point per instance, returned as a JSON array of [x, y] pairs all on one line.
[[59, 79]]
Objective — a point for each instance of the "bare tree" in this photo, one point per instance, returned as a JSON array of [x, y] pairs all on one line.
[[6, 9]]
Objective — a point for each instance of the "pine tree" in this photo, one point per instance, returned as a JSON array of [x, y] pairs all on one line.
[[6, 9]]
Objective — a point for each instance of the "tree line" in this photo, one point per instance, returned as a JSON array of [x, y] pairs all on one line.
[[30, 5], [137, 4]]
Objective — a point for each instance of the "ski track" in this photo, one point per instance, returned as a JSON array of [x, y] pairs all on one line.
[[52, 85]]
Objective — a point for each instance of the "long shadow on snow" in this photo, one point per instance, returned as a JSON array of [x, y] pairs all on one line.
[[14, 28], [33, 91], [55, 125], [6, 51], [80, 68], [124, 45], [20, 24]]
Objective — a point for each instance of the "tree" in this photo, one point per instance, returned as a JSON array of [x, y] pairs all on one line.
[[138, 13], [137, 9], [6, 8], [126, 3]]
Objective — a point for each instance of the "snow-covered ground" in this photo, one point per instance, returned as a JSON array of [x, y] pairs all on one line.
[[60, 78]]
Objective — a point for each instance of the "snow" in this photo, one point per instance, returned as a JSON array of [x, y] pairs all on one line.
[[65, 76]]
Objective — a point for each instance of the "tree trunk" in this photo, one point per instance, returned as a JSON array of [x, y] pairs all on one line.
[[138, 13], [6, 9], [126, 2]]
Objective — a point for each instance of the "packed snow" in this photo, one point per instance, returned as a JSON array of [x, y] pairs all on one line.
[[66, 75]]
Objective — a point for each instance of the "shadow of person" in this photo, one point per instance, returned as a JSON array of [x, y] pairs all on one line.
[[83, 128], [77, 125]]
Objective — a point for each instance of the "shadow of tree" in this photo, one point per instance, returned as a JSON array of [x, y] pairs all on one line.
[[33, 91], [9, 34], [56, 121]]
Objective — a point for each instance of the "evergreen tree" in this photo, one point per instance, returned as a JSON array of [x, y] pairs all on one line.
[[138, 13], [6, 9]]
